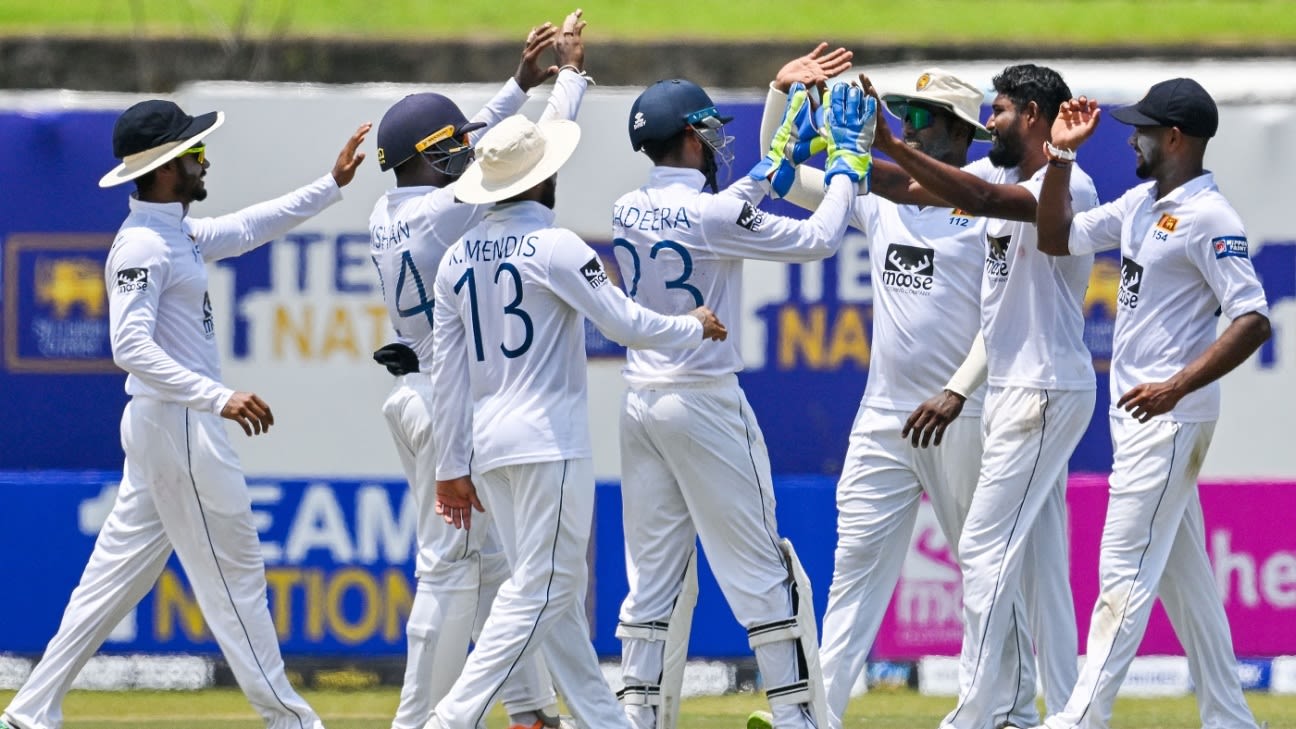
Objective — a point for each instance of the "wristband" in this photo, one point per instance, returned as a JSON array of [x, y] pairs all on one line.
[[579, 72], [1058, 154]]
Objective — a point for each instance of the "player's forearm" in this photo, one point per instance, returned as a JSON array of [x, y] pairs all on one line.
[[971, 374], [1053, 214], [807, 190], [1240, 340], [239, 232], [565, 101], [890, 181], [631, 325], [959, 188], [141, 357]]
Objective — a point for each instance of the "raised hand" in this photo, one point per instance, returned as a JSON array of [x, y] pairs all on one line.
[[569, 45], [349, 159], [530, 73], [813, 69], [849, 121], [1076, 121], [883, 139], [249, 411], [796, 140], [712, 328]]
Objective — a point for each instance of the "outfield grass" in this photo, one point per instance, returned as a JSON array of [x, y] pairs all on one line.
[[372, 709], [1142, 22]]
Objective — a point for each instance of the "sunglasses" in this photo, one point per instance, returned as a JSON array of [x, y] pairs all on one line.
[[199, 151], [917, 117]]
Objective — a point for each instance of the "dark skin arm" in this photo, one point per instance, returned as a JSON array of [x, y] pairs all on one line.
[[950, 184], [1240, 340], [1076, 121]]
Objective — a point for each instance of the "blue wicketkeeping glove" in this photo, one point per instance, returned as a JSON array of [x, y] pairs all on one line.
[[848, 123], [796, 140]]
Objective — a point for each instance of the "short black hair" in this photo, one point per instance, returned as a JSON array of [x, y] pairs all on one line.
[[1027, 82], [659, 149]]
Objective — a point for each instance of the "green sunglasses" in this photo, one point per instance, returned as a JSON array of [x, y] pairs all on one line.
[[917, 117], [199, 151]]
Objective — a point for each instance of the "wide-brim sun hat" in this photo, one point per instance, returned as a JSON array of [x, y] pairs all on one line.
[[942, 89], [515, 156], [152, 133]]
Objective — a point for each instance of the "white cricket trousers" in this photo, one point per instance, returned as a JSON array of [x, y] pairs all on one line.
[[1028, 436], [878, 496], [1154, 544], [182, 488], [544, 512], [458, 571], [694, 466]]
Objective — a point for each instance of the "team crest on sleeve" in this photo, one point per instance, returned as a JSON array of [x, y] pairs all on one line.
[[594, 273], [750, 217], [132, 279], [1230, 246]]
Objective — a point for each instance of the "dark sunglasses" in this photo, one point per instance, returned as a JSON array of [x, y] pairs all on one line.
[[917, 117]]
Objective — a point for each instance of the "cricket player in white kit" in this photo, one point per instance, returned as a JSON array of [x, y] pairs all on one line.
[[1184, 261], [927, 263], [426, 140], [1041, 381], [510, 376], [182, 487], [693, 461]]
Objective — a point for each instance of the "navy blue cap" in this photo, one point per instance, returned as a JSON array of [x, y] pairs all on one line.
[[417, 122], [153, 123], [666, 107], [1178, 102]]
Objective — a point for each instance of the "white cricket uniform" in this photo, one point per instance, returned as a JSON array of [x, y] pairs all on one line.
[[510, 377], [182, 486], [926, 269], [1040, 398], [458, 571], [693, 460], [1184, 259]]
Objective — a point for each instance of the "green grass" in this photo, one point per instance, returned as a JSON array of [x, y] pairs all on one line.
[[1143, 22], [372, 709]]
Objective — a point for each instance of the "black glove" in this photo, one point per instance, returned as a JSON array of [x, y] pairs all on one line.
[[397, 358]]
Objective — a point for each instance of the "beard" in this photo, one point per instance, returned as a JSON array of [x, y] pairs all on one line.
[[1006, 151], [549, 192], [190, 187], [1148, 153]]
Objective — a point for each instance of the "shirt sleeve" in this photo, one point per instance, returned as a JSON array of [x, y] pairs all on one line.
[[136, 275], [448, 218], [506, 102], [1217, 246], [239, 232], [576, 275], [565, 101], [452, 402], [1097, 229], [735, 228], [807, 189]]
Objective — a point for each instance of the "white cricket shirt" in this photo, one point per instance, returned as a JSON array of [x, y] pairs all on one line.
[[1032, 304], [927, 265], [679, 248], [1184, 260], [159, 312], [411, 228], [511, 301]]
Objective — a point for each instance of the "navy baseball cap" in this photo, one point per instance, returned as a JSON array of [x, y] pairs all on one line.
[[415, 123], [1178, 102], [666, 107]]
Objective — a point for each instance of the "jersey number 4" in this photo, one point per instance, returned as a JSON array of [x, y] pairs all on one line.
[[681, 282], [513, 308]]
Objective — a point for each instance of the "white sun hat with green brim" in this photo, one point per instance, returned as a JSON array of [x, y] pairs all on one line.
[[940, 88], [515, 156]]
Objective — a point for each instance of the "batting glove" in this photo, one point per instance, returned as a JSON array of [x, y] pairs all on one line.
[[796, 140], [848, 126]]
